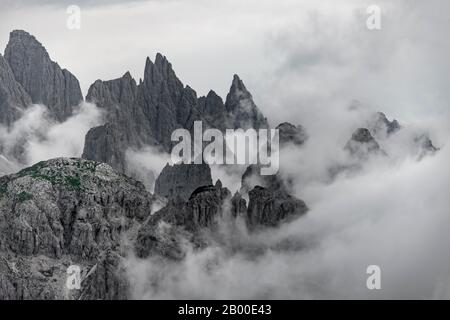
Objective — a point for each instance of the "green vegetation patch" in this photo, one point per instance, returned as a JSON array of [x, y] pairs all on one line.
[[57, 178], [24, 196], [30, 171], [74, 182], [87, 166]]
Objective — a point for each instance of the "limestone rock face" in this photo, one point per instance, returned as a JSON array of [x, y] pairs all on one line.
[[13, 97], [67, 211], [147, 113], [242, 111], [180, 180], [105, 145], [44, 81], [238, 206], [269, 208]]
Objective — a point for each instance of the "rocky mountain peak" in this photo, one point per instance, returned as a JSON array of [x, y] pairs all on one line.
[[42, 78], [424, 145], [162, 64], [26, 40], [218, 184], [242, 111], [13, 97], [161, 73], [213, 103], [362, 144], [252, 178], [238, 92], [127, 76], [269, 208], [148, 113], [179, 181]]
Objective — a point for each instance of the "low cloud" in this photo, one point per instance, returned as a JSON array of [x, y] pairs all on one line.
[[145, 164], [64, 139], [394, 217], [36, 137], [391, 212]]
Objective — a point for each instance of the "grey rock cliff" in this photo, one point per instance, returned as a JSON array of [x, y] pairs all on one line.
[[242, 111], [62, 212], [6, 166], [196, 222], [180, 180], [42, 78], [424, 145], [106, 144], [270, 208], [147, 113], [13, 97]]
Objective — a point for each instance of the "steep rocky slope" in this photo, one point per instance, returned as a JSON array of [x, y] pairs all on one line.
[[13, 97], [62, 212], [43, 79], [147, 113], [179, 181]]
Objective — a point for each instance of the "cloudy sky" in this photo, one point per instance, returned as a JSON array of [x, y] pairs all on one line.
[[301, 58]]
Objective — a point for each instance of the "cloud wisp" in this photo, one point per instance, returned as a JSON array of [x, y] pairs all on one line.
[[41, 138], [394, 217]]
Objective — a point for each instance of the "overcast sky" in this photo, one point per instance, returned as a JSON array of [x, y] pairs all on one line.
[[301, 58]]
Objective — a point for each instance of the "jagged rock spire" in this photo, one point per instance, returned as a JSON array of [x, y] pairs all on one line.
[[242, 111], [237, 93], [148, 113], [43, 79], [13, 97]]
